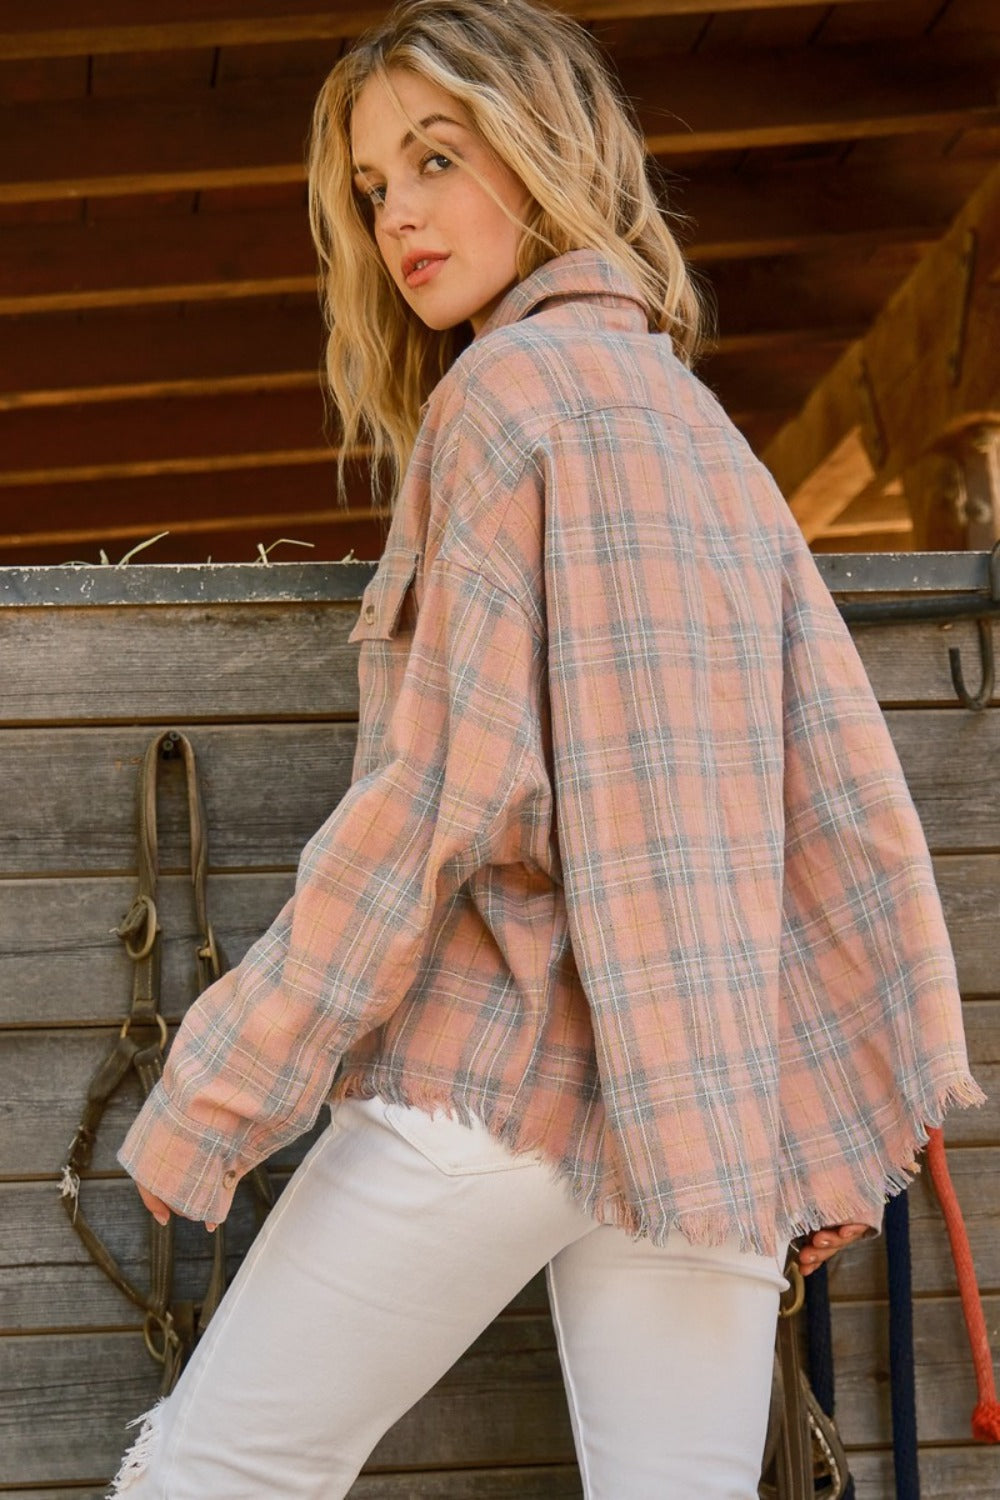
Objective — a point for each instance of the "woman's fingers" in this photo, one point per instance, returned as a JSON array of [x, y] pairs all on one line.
[[824, 1243], [156, 1206], [159, 1209]]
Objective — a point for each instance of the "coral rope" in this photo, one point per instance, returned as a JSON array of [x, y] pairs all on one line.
[[986, 1416]]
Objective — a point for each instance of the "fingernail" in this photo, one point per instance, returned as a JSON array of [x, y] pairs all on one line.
[[163, 1219]]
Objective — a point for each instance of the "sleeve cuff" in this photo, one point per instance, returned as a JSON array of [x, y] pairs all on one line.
[[194, 1172]]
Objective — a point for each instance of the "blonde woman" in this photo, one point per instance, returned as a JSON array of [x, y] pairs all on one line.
[[622, 955]]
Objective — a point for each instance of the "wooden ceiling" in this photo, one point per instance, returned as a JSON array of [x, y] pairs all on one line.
[[159, 327]]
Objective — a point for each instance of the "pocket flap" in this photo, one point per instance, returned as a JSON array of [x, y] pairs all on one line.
[[383, 599]]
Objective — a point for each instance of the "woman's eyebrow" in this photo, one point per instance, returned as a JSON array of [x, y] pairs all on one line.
[[409, 137]]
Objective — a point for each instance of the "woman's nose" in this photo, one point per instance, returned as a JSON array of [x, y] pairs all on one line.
[[400, 213]]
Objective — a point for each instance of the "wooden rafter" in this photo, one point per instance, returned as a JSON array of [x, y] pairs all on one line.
[[925, 371], [79, 29], [125, 262], [222, 137]]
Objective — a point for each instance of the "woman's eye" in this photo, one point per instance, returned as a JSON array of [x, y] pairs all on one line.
[[437, 157], [375, 196]]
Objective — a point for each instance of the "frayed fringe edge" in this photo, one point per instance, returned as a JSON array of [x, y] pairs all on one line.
[[892, 1172], [136, 1461]]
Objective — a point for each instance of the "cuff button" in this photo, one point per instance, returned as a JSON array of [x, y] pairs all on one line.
[[369, 613], [229, 1178]]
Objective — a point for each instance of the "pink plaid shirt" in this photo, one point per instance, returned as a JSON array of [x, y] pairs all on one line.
[[628, 867]]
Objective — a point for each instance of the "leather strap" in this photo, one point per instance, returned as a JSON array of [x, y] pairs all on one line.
[[170, 1327]]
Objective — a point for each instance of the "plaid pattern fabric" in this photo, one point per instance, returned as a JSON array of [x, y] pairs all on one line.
[[628, 867]]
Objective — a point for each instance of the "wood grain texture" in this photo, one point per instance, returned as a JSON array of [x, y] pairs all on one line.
[[530, 1482], [268, 788], [199, 257], [61, 963], [527, 1482], [263, 661], [253, 661], [502, 1403], [44, 1077], [70, 797], [47, 1282], [102, 28], [946, 1387], [293, 661], [732, 98]]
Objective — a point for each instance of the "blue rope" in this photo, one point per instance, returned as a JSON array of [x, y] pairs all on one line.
[[820, 1347], [901, 1363]]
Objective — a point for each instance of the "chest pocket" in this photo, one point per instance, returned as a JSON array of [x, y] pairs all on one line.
[[389, 602]]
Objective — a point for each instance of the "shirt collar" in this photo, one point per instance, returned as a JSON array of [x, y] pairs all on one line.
[[577, 274]]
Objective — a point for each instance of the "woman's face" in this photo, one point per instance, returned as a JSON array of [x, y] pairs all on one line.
[[426, 206]]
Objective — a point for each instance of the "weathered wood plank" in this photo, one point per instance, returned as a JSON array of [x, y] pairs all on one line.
[[69, 798], [47, 1281], [948, 758], [861, 1271], [502, 1403], [268, 788], [735, 98], [532, 1482], [909, 663], [946, 1387], [43, 1082], [61, 963], [273, 661], [69, 30], [44, 1076], [969, 886], [959, 1473], [243, 662]]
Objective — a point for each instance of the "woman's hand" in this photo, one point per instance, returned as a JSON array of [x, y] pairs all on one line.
[[157, 1207], [824, 1243]]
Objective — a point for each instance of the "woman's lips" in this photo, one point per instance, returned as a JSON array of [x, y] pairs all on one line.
[[424, 273]]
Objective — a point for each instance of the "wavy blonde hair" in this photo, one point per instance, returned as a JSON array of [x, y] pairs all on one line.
[[539, 95]]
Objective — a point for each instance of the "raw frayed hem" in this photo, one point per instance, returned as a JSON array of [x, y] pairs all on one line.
[[136, 1461], [894, 1168], [891, 1172]]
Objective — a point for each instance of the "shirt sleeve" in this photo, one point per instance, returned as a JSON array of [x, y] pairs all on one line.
[[458, 777]]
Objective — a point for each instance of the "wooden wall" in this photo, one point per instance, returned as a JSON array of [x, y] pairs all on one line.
[[255, 667]]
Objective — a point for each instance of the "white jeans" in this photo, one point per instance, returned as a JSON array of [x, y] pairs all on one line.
[[398, 1240]]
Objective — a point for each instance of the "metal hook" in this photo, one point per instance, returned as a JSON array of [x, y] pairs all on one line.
[[980, 699]]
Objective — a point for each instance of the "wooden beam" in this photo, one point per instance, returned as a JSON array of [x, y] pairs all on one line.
[[58, 359], [80, 29], [785, 97], [926, 371], [152, 258], [236, 135], [164, 435], [819, 292], [769, 304], [206, 257]]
